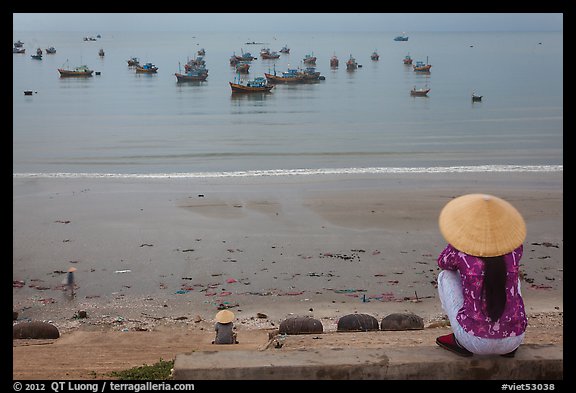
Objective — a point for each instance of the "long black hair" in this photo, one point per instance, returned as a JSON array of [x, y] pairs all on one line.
[[494, 287]]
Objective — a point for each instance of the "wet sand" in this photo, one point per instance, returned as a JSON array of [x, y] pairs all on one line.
[[171, 250]]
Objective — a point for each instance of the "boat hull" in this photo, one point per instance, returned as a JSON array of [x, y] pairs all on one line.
[[190, 78], [69, 73], [280, 79], [237, 88], [419, 93], [146, 71]]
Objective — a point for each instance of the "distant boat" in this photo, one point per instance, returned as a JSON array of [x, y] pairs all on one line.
[[243, 67], [285, 49], [18, 44], [374, 56], [133, 61], [407, 59], [476, 98], [334, 61], [101, 52], [420, 66], [36, 57], [309, 59], [257, 85], [402, 37], [192, 76], [351, 64], [266, 54], [147, 68], [293, 75], [18, 50], [51, 50], [80, 71], [245, 56], [419, 92]]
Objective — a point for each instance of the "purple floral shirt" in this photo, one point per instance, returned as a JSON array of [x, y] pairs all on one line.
[[472, 316]]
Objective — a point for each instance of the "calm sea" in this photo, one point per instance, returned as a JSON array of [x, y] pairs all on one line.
[[129, 124]]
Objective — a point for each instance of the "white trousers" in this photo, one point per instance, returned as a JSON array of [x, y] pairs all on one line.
[[452, 299]]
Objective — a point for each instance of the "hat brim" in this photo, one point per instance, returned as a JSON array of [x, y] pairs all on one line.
[[482, 225], [72, 269]]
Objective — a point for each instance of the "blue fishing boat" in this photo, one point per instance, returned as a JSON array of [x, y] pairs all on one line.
[[256, 85], [147, 68]]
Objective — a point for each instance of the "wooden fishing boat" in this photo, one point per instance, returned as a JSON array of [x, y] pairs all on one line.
[[407, 59], [422, 92], [351, 64], [309, 59], [402, 37], [420, 66], [80, 71], [133, 61], [375, 56], [18, 44], [18, 50], [243, 67], [334, 61], [36, 57], [101, 52], [257, 85], [50, 50], [147, 68], [285, 49], [476, 98], [192, 76], [266, 54], [292, 75]]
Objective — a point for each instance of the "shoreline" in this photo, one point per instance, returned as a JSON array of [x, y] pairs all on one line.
[[153, 250]]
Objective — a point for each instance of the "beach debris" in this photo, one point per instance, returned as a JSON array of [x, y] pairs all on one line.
[[18, 283], [301, 325], [62, 221], [35, 330], [226, 305], [357, 323], [146, 245], [231, 280], [402, 321], [123, 271], [546, 244], [261, 315]]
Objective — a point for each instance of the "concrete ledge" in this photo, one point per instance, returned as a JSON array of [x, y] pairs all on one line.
[[532, 362]]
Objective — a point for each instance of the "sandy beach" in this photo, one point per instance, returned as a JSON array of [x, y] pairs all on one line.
[[155, 253]]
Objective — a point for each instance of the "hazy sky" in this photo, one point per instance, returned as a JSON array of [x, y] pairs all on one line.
[[279, 22]]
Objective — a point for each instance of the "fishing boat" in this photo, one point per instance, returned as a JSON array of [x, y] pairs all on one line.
[[285, 49], [245, 56], [147, 68], [36, 57], [256, 85], [420, 66], [243, 67], [266, 54], [194, 63], [80, 71], [133, 62], [293, 75], [351, 64], [402, 37], [422, 92], [192, 76], [334, 61], [18, 50], [51, 50], [309, 59], [18, 44], [375, 56], [476, 98], [101, 52], [407, 59]]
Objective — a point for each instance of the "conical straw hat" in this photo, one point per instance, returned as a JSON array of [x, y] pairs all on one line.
[[224, 316], [482, 225], [72, 269]]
